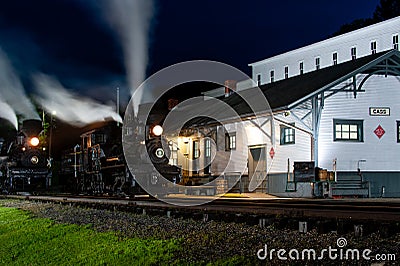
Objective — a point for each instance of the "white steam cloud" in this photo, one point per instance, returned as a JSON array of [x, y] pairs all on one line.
[[8, 113], [12, 92], [74, 109], [132, 19]]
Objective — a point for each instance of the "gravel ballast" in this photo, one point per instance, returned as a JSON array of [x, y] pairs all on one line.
[[216, 240]]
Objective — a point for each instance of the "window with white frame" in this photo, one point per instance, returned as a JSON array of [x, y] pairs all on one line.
[[395, 42], [287, 135], [230, 141], [196, 149], [373, 47], [334, 58], [258, 79], [317, 63], [348, 130], [286, 72], [207, 148], [272, 75], [173, 159], [301, 67], [207, 156], [353, 52]]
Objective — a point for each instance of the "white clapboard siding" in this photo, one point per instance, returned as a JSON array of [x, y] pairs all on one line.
[[382, 33], [300, 151], [238, 157], [380, 154]]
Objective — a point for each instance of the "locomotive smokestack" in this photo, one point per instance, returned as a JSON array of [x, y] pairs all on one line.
[[31, 127]]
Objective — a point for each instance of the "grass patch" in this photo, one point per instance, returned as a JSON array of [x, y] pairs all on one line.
[[36, 241]]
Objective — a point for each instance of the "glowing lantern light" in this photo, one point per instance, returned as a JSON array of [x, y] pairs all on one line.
[[34, 141], [157, 130]]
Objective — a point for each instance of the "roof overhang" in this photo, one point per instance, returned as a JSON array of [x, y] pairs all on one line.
[[386, 64]]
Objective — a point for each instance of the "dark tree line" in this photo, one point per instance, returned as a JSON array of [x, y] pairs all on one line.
[[386, 9]]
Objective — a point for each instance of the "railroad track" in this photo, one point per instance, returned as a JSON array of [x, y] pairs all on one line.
[[373, 210]]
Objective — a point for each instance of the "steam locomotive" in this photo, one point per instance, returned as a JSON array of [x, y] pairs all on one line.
[[26, 167], [98, 166]]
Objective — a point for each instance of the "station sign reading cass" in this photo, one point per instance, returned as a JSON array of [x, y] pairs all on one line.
[[379, 111]]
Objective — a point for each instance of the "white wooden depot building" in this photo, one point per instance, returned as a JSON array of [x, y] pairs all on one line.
[[335, 103], [346, 92]]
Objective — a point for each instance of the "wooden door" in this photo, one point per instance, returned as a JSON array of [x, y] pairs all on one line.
[[257, 167]]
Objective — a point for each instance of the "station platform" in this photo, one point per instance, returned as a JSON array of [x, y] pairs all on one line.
[[228, 196], [257, 196]]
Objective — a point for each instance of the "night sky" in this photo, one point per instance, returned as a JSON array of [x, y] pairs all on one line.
[[73, 41]]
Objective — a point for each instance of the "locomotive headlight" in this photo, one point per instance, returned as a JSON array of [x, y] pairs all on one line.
[[34, 160], [34, 141], [157, 130]]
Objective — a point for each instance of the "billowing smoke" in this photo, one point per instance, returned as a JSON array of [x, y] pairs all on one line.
[[74, 109], [12, 92], [8, 113], [132, 19]]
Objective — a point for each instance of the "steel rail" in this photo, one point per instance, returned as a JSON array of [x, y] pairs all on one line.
[[367, 210]]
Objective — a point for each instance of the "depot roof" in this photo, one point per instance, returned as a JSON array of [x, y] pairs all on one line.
[[291, 92], [288, 93]]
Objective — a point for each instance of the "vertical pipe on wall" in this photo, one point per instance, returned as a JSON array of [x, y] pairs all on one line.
[[315, 109], [334, 168]]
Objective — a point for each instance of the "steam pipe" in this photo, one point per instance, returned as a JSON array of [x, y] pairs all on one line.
[[75, 160], [118, 104]]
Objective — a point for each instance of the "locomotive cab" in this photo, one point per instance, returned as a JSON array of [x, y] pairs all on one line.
[[98, 162]]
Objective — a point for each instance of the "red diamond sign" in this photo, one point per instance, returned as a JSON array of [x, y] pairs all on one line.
[[272, 153], [379, 131]]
